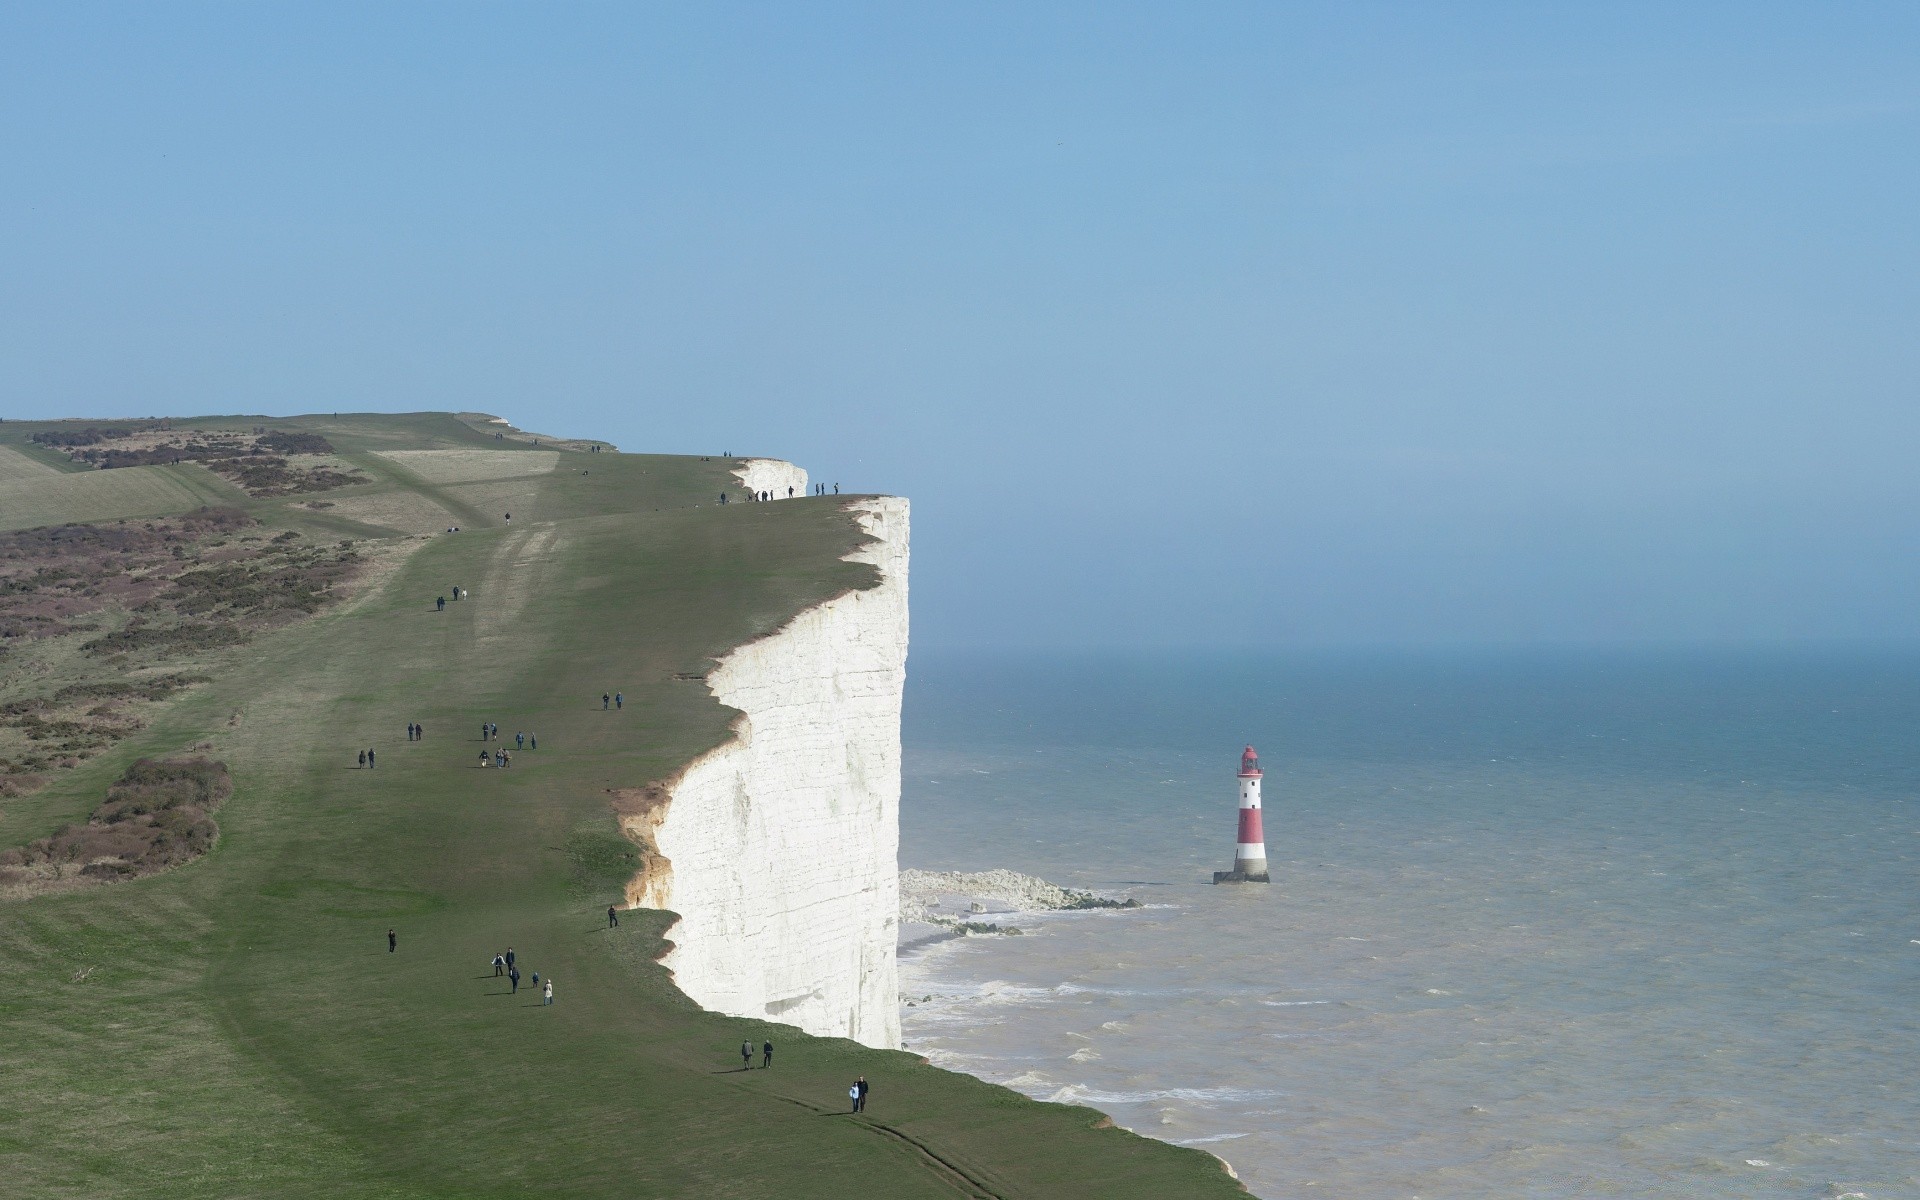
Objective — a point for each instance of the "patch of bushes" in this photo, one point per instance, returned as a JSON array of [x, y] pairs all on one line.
[[67, 438], [271, 476], [157, 815], [280, 442], [166, 639]]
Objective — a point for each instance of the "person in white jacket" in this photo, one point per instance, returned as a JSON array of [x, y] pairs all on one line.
[[549, 994]]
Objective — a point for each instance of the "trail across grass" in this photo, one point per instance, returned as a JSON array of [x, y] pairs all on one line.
[[238, 1027]]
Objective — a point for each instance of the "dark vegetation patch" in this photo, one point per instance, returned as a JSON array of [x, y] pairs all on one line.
[[258, 462], [129, 597], [272, 476], [157, 815], [91, 435], [75, 722]]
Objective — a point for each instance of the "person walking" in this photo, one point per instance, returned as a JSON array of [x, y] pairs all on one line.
[[604, 701], [419, 732], [483, 760], [519, 740], [853, 1094], [549, 995], [533, 741], [746, 1056], [483, 731], [393, 941], [499, 966], [363, 758], [509, 958], [619, 701], [513, 977], [369, 760], [860, 1090], [613, 917], [767, 1059], [439, 604]]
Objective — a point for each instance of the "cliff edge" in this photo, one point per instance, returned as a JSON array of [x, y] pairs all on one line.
[[779, 849]]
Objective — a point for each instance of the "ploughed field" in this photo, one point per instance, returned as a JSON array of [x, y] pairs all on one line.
[[250, 604]]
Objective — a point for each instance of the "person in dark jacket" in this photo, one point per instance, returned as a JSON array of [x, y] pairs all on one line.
[[393, 941], [860, 1086], [513, 977], [767, 1056], [613, 917]]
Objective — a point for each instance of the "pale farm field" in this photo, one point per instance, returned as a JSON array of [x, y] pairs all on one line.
[[403, 512], [518, 497], [15, 465], [472, 466], [37, 496]]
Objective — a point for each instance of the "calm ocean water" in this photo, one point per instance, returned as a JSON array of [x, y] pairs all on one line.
[[1540, 926]]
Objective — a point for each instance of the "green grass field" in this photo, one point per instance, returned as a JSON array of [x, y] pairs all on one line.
[[237, 1027]]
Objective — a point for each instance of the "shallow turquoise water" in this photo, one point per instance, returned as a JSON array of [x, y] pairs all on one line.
[[1546, 926]]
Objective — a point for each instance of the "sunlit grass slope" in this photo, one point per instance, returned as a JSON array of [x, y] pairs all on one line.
[[237, 1027]]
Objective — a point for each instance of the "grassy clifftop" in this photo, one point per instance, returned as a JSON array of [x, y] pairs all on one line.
[[237, 1027]]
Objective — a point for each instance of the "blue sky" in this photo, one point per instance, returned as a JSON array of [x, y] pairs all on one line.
[[1181, 324]]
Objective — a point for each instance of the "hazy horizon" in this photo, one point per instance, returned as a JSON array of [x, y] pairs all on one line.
[[1364, 325]]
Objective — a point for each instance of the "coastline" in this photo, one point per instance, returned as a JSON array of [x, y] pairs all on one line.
[[778, 848]]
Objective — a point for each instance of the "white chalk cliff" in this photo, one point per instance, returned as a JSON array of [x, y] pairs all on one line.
[[779, 849], [771, 475]]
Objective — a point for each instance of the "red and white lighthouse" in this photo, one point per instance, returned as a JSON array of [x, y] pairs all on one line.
[[1250, 852]]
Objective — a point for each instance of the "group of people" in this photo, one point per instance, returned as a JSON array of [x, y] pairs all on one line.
[[416, 732], [505, 964], [503, 758], [857, 1092], [616, 699], [819, 489], [366, 758]]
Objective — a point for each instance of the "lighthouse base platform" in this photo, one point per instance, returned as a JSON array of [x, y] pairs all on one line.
[[1241, 877]]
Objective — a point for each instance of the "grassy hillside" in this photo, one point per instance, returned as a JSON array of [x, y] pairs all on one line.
[[237, 1026]]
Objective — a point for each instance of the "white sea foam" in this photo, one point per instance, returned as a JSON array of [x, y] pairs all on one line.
[[1207, 1141], [1075, 1093]]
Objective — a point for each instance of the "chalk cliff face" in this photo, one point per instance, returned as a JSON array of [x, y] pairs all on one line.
[[779, 850], [771, 475]]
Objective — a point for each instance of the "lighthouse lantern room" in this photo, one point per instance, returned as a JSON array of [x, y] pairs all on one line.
[[1250, 849]]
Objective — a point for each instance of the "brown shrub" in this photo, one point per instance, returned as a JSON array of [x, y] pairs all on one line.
[[157, 815]]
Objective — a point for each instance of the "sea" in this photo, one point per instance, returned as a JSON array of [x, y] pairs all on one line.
[[1541, 924]]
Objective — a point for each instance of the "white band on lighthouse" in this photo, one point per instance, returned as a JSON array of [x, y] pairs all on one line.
[[1250, 849]]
